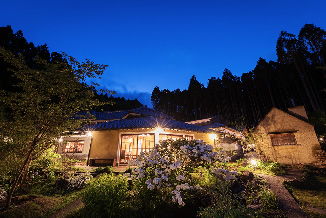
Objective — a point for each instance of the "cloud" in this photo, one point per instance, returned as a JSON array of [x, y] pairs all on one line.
[[122, 91], [143, 97]]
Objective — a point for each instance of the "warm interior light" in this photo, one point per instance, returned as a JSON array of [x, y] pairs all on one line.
[[89, 134], [212, 136]]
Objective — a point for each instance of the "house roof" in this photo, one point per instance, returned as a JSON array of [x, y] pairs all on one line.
[[123, 114], [215, 121], [110, 115], [146, 122], [297, 116], [290, 113], [214, 125]]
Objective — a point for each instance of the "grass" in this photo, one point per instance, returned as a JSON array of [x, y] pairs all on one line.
[[310, 191], [40, 198], [39, 205], [260, 167]]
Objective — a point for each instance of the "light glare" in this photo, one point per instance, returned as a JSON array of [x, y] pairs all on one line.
[[253, 163], [212, 136]]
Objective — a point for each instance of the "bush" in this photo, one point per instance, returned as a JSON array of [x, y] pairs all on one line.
[[3, 194], [268, 200], [78, 181], [177, 175], [107, 196], [48, 161], [107, 169], [129, 170]]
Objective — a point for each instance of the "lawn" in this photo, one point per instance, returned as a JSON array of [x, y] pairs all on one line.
[[310, 191]]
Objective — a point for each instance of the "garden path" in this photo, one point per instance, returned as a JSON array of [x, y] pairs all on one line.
[[285, 199], [68, 209]]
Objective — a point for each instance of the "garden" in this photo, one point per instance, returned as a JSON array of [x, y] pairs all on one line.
[[176, 179]]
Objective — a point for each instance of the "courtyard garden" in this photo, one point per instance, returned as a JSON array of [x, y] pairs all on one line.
[[176, 179]]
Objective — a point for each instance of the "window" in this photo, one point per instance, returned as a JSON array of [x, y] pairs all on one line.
[[283, 139], [163, 137], [133, 145], [74, 147]]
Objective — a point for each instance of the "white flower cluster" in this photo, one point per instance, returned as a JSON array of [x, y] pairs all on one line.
[[3, 194], [168, 166], [79, 181]]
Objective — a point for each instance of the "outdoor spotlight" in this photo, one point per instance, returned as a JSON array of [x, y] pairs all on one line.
[[253, 162], [89, 133], [60, 140], [212, 136]]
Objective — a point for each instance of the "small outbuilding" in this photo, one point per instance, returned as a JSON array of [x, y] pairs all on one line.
[[287, 137]]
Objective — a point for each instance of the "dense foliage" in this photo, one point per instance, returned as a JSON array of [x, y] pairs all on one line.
[[297, 78], [178, 179], [39, 102], [116, 104]]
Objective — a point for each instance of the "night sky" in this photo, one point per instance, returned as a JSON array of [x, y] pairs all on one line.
[[162, 43]]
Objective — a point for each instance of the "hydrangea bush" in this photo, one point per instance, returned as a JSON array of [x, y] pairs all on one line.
[[168, 170], [78, 181], [176, 179], [3, 193]]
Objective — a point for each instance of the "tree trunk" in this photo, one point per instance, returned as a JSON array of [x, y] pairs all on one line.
[[19, 176], [26, 171]]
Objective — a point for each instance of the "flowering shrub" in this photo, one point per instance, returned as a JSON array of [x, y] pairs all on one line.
[[79, 181], [3, 194], [167, 172]]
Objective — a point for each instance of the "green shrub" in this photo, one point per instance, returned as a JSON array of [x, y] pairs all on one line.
[[106, 196], [47, 162], [224, 204], [129, 170], [268, 200], [107, 169]]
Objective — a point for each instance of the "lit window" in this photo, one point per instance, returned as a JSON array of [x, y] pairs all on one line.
[[283, 139], [133, 145], [74, 147], [163, 137]]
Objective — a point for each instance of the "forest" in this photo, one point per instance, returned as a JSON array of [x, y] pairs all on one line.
[[17, 44], [296, 78]]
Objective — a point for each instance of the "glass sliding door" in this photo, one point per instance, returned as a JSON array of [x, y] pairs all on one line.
[[133, 145]]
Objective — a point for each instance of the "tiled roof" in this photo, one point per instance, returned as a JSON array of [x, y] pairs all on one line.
[[146, 122], [115, 115], [213, 125], [110, 115], [149, 112]]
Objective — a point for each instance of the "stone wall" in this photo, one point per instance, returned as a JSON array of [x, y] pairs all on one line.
[[277, 121]]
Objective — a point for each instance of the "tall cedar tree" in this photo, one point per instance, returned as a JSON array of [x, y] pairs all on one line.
[[298, 78]]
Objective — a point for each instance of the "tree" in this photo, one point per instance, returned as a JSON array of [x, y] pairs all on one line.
[[156, 98], [43, 107], [290, 51], [313, 40]]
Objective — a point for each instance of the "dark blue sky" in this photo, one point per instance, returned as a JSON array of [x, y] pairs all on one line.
[[160, 42]]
